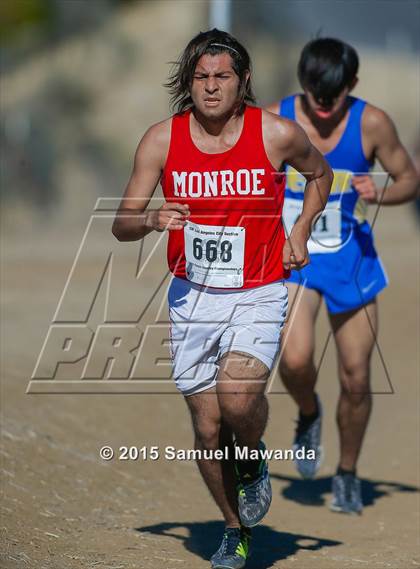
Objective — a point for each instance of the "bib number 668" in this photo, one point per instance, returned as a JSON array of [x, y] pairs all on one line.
[[209, 249]]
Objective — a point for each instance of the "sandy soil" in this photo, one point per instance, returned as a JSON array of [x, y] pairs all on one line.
[[65, 508]]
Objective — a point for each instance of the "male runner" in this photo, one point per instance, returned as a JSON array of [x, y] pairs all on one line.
[[345, 269], [218, 161]]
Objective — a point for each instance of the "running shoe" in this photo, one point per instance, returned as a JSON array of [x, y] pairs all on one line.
[[347, 494], [308, 438], [234, 549], [254, 493]]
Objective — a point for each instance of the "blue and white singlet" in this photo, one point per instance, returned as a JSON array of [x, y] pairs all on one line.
[[344, 267]]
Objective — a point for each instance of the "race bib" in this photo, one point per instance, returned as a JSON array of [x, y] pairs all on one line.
[[215, 255], [326, 233]]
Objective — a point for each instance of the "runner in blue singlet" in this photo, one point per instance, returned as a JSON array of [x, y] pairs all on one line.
[[344, 267]]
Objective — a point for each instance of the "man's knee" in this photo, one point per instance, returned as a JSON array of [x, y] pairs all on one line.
[[355, 382], [296, 365], [239, 407], [207, 434]]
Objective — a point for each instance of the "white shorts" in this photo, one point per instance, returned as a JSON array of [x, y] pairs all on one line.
[[205, 323]]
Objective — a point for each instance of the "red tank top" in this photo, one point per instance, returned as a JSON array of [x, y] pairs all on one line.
[[234, 237]]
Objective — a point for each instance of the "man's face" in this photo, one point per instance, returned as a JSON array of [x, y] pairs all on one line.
[[214, 88], [327, 110]]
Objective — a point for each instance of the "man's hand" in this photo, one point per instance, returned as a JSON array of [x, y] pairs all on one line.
[[171, 216], [366, 188], [295, 252]]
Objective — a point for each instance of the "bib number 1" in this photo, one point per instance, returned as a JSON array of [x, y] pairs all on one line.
[[325, 234]]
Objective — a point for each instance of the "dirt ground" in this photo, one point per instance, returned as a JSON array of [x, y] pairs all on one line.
[[65, 508]]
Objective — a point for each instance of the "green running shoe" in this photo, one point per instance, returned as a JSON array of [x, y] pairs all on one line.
[[234, 549]]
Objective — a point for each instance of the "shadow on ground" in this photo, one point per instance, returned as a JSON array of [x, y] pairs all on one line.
[[268, 545], [312, 492]]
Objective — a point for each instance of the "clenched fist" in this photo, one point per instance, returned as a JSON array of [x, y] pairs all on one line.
[[171, 216], [295, 251], [366, 187]]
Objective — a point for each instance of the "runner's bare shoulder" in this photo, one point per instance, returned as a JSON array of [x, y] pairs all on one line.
[[281, 135], [377, 128], [155, 142], [375, 121]]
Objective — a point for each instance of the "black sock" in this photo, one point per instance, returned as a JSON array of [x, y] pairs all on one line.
[[249, 468], [306, 421], [342, 471]]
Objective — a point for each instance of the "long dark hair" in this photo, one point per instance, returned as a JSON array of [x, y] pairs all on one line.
[[213, 42]]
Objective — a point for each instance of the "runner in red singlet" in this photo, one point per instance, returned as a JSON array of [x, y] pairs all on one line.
[[227, 189], [220, 163]]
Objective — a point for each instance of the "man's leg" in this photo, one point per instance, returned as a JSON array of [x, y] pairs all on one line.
[[217, 417], [238, 408], [240, 388], [297, 368], [212, 433], [354, 334], [244, 407], [298, 373]]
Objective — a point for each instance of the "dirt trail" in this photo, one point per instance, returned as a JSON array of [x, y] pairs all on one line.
[[65, 508]]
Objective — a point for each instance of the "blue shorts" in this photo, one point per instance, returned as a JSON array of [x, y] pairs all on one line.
[[348, 278]]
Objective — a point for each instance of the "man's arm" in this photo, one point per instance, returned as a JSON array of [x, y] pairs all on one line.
[[132, 221], [288, 142], [394, 158], [307, 160]]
